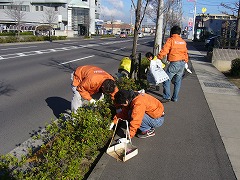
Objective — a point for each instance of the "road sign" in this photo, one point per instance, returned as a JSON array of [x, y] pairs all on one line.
[[190, 24], [204, 10], [190, 19], [189, 28]]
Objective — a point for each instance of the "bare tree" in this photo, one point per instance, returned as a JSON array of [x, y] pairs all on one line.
[[140, 10], [50, 16], [172, 13], [235, 9], [15, 13], [112, 22]]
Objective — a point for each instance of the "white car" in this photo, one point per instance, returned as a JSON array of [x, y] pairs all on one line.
[[140, 35]]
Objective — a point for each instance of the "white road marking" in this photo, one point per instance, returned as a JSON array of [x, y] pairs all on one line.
[[76, 60], [21, 54], [31, 53], [17, 48], [119, 49]]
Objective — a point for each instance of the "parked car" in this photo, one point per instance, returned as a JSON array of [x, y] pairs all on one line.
[[140, 35], [123, 35], [209, 43]]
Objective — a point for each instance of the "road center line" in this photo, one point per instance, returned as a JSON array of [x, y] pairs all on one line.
[[119, 49], [76, 60]]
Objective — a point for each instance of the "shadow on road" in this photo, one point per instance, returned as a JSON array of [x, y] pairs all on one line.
[[6, 89], [58, 105]]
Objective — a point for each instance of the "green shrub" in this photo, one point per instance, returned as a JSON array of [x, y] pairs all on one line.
[[62, 37], [26, 33], [145, 63], [29, 39], [2, 40], [87, 37], [11, 39], [125, 83], [8, 34], [235, 67], [107, 35], [73, 145]]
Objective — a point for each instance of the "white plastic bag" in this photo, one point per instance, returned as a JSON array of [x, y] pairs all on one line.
[[156, 74]]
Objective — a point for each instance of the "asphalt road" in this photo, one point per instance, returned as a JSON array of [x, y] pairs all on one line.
[[35, 88], [188, 145], [35, 80]]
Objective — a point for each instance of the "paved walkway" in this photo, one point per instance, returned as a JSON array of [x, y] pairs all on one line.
[[200, 138], [223, 99]]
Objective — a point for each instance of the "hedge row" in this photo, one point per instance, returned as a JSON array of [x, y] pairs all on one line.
[[235, 67], [13, 39], [72, 144], [15, 33]]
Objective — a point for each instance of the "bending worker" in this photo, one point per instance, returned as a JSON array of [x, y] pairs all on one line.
[[89, 81], [124, 67]]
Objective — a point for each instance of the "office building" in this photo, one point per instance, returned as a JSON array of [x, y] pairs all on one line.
[[67, 17]]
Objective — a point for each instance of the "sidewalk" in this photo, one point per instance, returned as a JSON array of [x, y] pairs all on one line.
[[200, 138], [223, 99]]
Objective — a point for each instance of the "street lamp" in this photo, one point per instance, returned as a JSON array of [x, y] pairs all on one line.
[[203, 11]]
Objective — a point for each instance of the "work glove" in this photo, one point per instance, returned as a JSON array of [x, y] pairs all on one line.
[[111, 126], [188, 70], [122, 140], [141, 91], [92, 101], [102, 97]]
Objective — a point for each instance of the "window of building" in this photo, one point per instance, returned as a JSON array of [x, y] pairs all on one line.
[[23, 8], [41, 8], [28, 8], [37, 8], [84, 0], [56, 8], [1, 7]]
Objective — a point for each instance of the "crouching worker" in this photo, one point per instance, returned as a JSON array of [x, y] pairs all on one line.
[[88, 82], [124, 67], [143, 111], [151, 57]]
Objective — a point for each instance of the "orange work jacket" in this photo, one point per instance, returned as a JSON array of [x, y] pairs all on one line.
[[141, 104], [175, 48], [88, 80]]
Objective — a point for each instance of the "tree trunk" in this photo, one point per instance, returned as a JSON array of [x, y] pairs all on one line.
[[134, 49], [158, 34]]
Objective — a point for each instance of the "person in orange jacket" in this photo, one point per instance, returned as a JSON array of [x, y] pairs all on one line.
[[143, 111], [88, 82], [177, 54]]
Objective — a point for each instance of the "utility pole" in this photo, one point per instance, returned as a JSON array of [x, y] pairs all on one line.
[[194, 19], [159, 27], [238, 24], [131, 19]]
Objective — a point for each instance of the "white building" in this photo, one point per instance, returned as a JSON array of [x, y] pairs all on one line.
[[68, 17]]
